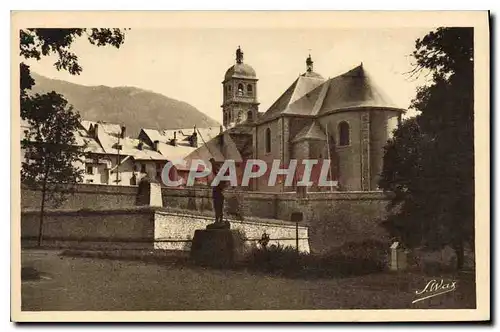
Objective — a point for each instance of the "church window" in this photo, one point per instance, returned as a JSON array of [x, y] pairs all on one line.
[[249, 90], [240, 89], [249, 116], [268, 140], [344, 134]]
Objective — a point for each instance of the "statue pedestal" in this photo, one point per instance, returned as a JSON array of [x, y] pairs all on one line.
[[217, 247]]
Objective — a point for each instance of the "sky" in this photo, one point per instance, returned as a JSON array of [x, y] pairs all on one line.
[[189, 64]]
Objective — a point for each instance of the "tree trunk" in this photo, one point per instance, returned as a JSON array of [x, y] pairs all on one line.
[[42, 209]]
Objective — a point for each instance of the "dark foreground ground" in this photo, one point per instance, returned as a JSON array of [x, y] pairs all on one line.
[[74, 283]]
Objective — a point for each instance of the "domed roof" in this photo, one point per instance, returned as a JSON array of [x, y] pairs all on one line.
[[240, 70]]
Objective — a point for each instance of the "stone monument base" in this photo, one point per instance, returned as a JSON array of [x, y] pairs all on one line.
[[217, 247]]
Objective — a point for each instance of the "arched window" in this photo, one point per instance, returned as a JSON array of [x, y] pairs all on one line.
[[344, 134], [268, 140], [249, 116], [240, 89], [249, 89]]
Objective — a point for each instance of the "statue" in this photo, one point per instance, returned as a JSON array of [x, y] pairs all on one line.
[[218, 202], [239, 55], [309, 64]]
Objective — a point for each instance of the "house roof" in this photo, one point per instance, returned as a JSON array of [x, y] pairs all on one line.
[[108, 135], [82, 138], [183, 146]]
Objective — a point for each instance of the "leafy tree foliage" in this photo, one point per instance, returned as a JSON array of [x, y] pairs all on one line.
[[52, 152], [429, 163]]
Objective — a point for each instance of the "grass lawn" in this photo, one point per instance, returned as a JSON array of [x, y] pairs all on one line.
[[75, 283]]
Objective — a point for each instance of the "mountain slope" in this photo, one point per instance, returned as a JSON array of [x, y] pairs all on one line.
[[133, 107]]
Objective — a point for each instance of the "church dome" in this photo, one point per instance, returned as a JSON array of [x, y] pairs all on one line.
[[240, 69]]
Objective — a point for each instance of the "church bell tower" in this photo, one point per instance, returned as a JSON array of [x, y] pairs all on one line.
[[240, 103]]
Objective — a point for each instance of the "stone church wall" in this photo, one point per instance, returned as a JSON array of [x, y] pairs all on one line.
[[276, 150], [349, 157], [383, 122]]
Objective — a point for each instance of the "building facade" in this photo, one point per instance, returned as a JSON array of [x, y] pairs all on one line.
[[346, 119]]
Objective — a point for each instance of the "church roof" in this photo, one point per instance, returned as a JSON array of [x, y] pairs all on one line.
[[312, 74], [311, 95], [245, 128], [240, 70], [354, 89], [220, 148], [311, 132], [299, 89]]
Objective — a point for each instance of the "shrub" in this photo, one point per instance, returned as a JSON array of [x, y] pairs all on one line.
[[353, 258], [276, 258], [356, 258]]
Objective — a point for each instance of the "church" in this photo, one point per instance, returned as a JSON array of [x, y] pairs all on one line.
[[346, 119]]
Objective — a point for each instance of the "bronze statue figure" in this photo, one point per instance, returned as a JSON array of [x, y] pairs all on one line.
[[218, 201]]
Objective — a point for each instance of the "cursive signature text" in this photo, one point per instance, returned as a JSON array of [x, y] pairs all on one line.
[[435, 288]]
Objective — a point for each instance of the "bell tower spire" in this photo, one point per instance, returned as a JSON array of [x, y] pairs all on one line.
[[239, 102]]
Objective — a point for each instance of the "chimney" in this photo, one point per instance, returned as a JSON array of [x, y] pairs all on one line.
[[173, 141], [122, 135], [139, 146], [193, 139], [156, 143], [96, 131]]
